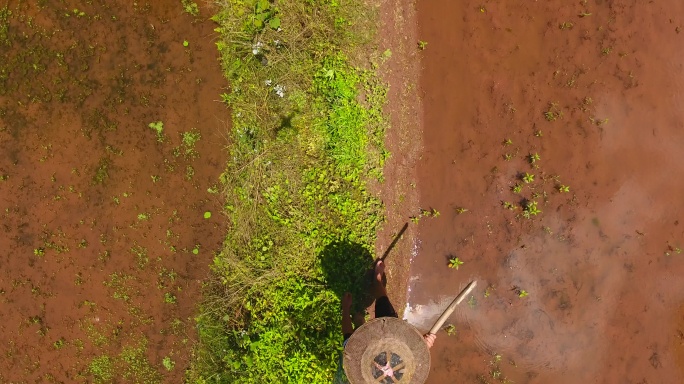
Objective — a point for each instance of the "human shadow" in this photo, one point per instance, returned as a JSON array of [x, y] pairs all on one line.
[[348, 267]]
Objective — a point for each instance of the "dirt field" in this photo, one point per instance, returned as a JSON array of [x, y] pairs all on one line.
[[105, 227], [588, 290]]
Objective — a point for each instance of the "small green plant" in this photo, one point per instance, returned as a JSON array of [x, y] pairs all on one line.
[[533, 158], [429, 213], [207, 215], [553, 112], [450, 330], [143, 216], [507, 156], [422, 45], [168, 363], [528, 178], [415, 219], [508, 205], [59, 343], [185, 43], [566, 25], [488, 291], [40, 252], [190, 7], [522, 293], [455, 263], [169, 298], [195, 250], [563, 188], [507, 142], [102, 369], [531, 209], [158, 127], [188, 141], [517, 188], [461, 210]]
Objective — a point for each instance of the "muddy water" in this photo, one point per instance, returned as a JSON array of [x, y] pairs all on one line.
[[100, 216], [595, 88]]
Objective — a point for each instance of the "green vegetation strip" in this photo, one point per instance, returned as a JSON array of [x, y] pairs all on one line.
[[307, 132]]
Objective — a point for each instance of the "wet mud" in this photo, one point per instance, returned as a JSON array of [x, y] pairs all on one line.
[[104, 236], [588, 290]]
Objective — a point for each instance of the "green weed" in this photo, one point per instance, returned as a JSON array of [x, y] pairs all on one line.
[[520, 292], [508, 205], [168, 363], [553, 112], [422, 45], [455, 262], [307, 136], [102, 171], [190, 7], [169, 298], [528, 178], [101, 368], [531, 209], [533, 158], [158, 127]]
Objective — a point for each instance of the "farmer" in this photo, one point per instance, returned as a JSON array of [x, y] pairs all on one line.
[[383, 308]]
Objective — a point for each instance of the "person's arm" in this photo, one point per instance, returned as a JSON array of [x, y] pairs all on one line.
[[347, 328], [429, 339]]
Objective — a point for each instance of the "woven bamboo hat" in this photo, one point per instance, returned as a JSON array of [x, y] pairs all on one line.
[[386, 350]]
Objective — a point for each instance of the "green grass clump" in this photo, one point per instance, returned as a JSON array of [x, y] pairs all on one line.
[[101, 369], [307, 137]]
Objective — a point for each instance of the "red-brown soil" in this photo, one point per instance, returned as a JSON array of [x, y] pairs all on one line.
[[602, 262], [99, 218]]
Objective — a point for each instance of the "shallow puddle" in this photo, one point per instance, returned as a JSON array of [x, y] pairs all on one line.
[[590, 288], [105, 239]]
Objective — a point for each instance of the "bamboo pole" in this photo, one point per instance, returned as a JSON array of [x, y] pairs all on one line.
[[450, 309]]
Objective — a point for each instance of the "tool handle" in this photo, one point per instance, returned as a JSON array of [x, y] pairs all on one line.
[[450, 309]]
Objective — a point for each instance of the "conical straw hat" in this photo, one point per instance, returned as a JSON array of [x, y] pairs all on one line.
[[386, 350]]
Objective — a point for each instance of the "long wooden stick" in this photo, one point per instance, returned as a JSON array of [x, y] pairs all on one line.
[[450, 309]]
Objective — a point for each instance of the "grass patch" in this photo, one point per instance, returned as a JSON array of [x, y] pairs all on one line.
[[307, 137]]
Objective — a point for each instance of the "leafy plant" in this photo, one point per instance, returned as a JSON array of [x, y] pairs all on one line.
[[450, 330], [519, 291], [158, 127], [563, 188], [168, 363], [531, 209], [190, 7], [102, 369], [207, 215], [533, 158], [455, 262], [509, 205], [528, 178], [422, 45], [553, 112], [517, 188], [461, 210]]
